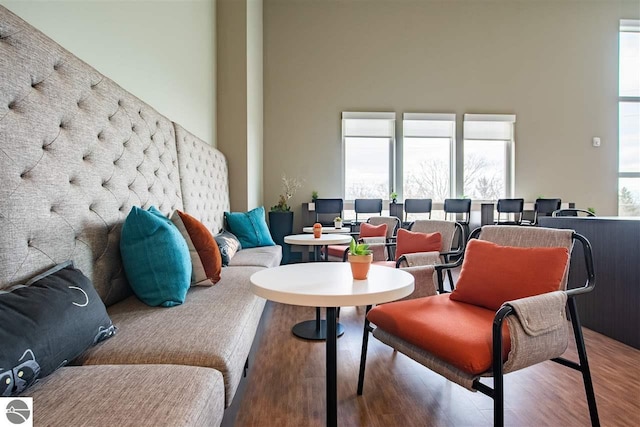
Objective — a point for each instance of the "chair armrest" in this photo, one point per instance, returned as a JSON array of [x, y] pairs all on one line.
[[538, 329], [590, 284]]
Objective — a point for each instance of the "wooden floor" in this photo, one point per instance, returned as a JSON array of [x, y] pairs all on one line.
[[286, 384]]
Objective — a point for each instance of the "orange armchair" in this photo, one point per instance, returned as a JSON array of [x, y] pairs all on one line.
[[508, 312]]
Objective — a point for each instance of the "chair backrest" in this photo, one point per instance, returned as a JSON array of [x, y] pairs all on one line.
[[527, 237], [447, 230], [417, 206], [510, 206], [327, 210], [572, 212], [458, 206], [368, 206], [393, 223], [545, 207]]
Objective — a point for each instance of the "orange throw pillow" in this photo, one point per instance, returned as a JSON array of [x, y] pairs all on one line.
[[203, 249], [410, 242], [370, 230], [492, 274]]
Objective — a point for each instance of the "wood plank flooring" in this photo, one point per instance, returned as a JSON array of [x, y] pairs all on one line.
[[286, 384]]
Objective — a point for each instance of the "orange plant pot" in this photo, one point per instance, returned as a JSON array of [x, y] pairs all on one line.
[[360, 265], [317, 230]]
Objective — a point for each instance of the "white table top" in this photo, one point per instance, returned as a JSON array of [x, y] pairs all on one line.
[[324, 239], [330, 284], [328, 230]]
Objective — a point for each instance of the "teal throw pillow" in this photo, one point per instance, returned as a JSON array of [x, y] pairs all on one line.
[[250, 228], [155, 257]]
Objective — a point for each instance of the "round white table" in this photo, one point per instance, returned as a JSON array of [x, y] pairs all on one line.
[[332, 230], [309, 240], [330, 285]]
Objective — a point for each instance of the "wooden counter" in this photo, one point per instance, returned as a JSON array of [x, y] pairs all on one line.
[[613, 308]]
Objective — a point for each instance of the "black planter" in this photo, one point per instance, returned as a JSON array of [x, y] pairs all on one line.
[[280, 225]]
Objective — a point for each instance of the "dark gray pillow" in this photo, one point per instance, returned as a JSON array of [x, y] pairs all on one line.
[[46, 323], [228, 244]]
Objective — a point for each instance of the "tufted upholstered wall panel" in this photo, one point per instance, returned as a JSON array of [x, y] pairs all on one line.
[[76, 153], [204, 179]]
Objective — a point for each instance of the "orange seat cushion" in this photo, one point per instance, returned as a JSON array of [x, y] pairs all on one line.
[[410, 242], [459, 334], [337, 250], [370, 230], [492, 274]]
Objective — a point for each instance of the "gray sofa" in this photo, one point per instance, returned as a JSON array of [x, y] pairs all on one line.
[[76, 153]]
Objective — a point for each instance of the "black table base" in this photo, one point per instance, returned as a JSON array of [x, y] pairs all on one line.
[[315, 329]]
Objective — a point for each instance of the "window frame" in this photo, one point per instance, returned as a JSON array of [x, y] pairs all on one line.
[[381, 116], [446, 117], [626, 26], [509, 152]]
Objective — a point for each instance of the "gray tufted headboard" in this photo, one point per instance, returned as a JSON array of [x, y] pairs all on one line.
[[76, 153]]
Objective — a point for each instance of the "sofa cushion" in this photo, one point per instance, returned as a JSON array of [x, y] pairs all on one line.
[[265, 256], [140, 395], [492, 274], [250, 227], [155, 257], [228, 244], [214, 328], [206, 260], [47, 323]]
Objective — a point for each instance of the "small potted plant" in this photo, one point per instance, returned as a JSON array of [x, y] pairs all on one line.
[[314, 197], [360, 258], [337, 223], [281, 216], [394, 197]]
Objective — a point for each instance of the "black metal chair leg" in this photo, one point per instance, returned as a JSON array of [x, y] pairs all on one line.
[[584, 364], [450, 279], [363, 352]]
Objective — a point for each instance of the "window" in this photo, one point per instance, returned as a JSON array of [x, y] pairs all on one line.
[[488, 156], [427, 155], [368, 141], [629, 119]]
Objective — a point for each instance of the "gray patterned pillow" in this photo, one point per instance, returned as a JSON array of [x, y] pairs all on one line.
[[228, 244], [46, 323]]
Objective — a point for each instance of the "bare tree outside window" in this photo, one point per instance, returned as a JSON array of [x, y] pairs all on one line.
[[367, 168], [485, 169], [427, 168]]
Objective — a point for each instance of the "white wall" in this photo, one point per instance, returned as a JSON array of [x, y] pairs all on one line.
[[552, 63], [161, 51]]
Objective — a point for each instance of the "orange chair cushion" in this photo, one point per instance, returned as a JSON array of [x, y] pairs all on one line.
[[391, 264], [459, 334], [337, 250], [492, 274], [410, 242], [370, 230]]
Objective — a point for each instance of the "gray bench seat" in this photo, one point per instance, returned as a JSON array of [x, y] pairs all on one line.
[[214, 328], [134, 395]]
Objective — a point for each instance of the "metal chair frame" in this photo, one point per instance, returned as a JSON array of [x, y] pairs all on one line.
[[367, 206], [572, 212], [417, 206], [510, 206], [329, 207]]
